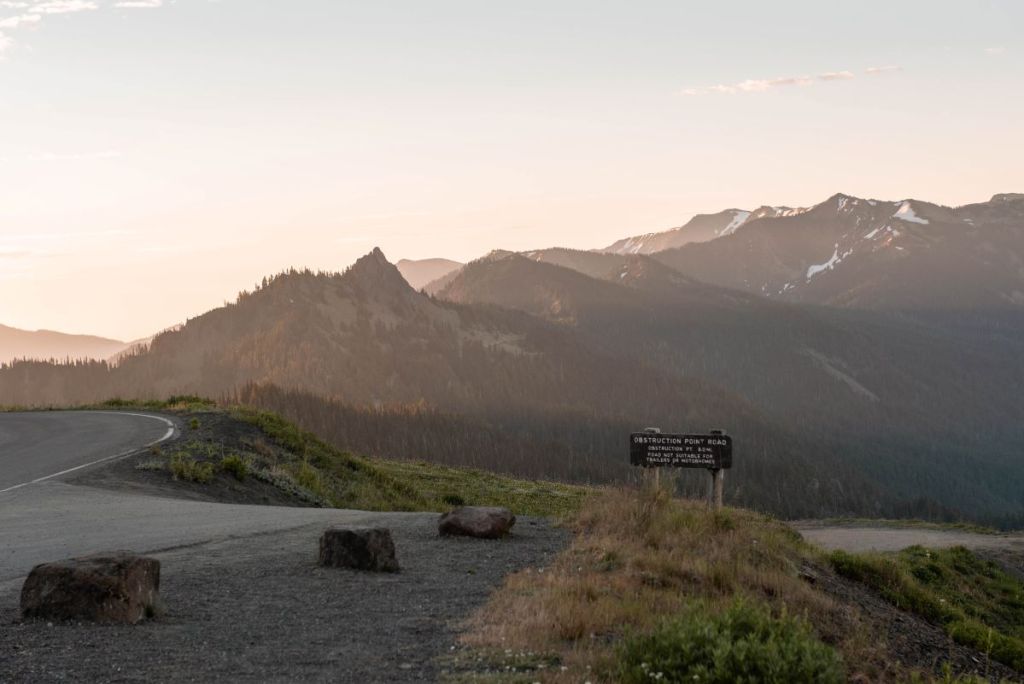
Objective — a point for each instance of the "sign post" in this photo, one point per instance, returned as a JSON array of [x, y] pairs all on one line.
[[654, 449]]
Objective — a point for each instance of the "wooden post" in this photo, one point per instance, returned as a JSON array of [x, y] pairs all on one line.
[[657, 471], [719, 478], [711, 490]]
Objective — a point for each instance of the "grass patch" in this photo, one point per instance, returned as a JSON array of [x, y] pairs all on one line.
[[185, 467], [977, 603], [640, 563], [174, 403], [745, 643], [236, 466], [345, 480], [447, 487]]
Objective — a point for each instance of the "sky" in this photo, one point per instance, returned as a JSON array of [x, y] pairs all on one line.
[[158, 156]]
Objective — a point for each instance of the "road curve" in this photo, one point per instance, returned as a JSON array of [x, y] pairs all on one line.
[[43, 518], [38, 446]]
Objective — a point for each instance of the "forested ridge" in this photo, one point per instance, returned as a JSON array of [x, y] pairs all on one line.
[[541, 371]]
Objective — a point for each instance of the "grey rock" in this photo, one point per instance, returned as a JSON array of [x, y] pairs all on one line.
[[116, 587], [358, 548], [483, 522]]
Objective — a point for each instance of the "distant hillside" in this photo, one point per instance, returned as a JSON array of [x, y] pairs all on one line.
[[701, 228], [47, 344], [419, 273], [847, 365], [934, 397], [531, 397], [855, 253], [539, 363]]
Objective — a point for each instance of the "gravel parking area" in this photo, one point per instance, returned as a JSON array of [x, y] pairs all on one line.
[[258, 608]]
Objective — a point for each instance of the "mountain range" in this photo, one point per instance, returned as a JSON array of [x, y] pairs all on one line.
[[866, 354], [419, 273], [48, 344]]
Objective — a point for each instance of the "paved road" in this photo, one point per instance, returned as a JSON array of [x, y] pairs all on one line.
[[43, 518], [860, 538], [245, 598], [41, 445]]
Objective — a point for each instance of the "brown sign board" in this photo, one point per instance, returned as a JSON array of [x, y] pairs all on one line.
[[657, 450]]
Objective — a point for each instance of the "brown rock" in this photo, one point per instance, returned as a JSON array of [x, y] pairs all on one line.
[[358, 548], [115, 587], [483, 522]]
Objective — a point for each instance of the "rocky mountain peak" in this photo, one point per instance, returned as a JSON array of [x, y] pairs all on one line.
[[375, 271]]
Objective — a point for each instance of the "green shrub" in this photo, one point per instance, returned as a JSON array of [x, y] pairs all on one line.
[[743, 644], [453, 500], [310, 478], [194, 424], [184, 467], [236, 466]]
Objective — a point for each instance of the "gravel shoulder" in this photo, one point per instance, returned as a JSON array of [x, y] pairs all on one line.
[[258, 608], [861, 538]]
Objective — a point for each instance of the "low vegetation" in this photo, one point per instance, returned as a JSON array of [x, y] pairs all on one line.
[[235, 465], [649, 575], [183, 466], [238, 443], [978, 604], [745, 643]]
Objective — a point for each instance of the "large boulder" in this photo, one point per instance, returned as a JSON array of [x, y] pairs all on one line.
[[484, 522], [115, 587], [359, 548]]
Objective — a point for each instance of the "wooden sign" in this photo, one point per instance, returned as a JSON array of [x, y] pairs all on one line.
[[657, 450]]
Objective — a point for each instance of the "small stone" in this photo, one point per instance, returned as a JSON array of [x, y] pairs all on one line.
[[116, 587], [482, 522], [362, 548]]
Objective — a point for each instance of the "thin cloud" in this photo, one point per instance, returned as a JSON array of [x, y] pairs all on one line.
[[15, 22], [879, 70], [995, 51], [761, 85], [36, 11], [836, 76], [63, 6]]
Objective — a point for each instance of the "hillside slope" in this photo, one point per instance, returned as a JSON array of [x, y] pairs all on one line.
[[867, 385], [907, 256], [701, 228], [366, 338]]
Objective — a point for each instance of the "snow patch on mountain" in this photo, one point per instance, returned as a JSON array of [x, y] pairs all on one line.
[[833, 261], [739, 217], [635, 245], [906, 213]]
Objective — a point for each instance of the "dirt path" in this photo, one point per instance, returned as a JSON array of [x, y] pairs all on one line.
[[258, 608]]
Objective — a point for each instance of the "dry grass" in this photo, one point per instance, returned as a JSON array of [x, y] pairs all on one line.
[[637, 559]]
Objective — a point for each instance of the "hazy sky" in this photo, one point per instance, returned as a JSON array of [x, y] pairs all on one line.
[[156, 157]]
